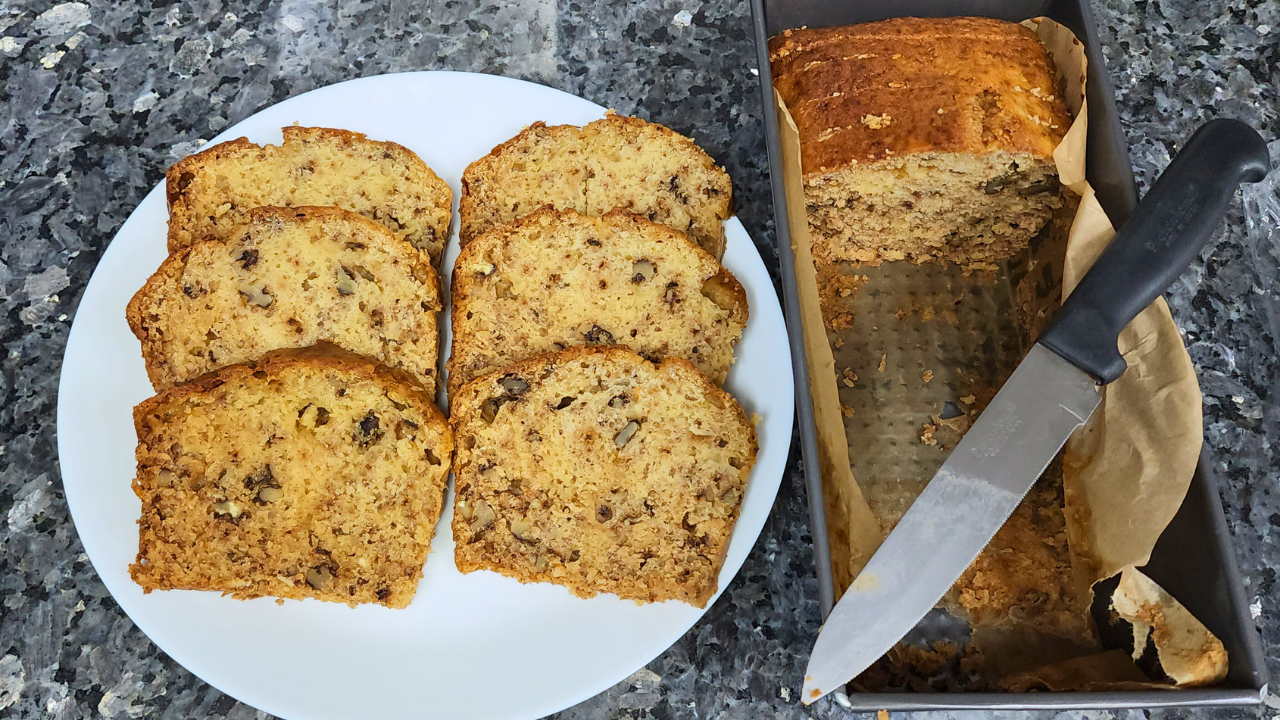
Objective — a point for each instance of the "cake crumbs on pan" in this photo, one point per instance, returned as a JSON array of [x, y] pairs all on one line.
[[847, 411], [926, 434], [883, 361], [968, 399], [849, 377], [877, 122], [838, 343], [927, 375]]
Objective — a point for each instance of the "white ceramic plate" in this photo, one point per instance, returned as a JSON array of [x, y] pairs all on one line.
[[470, 646]]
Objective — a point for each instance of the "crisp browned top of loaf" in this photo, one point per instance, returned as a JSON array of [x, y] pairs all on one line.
[[861, 93], [209, 192], [601, 471], [615, 162], [289, 277], [558, 278], [313, 472]]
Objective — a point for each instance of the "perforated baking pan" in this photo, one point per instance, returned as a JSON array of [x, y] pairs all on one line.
[[1193, 559]]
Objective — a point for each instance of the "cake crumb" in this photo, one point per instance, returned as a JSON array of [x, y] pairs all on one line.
[[838, 343], [926, 434], [877, 122], [849, 377], [927, 375], [883, 360], [756, 418], [882, 715], [968, 399], [847, 411]]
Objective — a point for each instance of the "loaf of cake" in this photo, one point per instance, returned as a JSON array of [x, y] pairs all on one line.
[[923, 139], [603, 472], [557, 278], [210, 192], [290, 277], [615, 162], [313, 473]]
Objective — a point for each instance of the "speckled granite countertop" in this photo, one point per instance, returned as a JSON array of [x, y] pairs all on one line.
[[99, 99]]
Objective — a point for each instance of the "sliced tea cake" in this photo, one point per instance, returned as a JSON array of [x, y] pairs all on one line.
[[557, 278], [290, 277], [210, 192], [598, 470], [314, 473], [616, 162]]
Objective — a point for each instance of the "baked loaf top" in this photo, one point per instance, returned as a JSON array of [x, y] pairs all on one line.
[[210, 192], [557, 278], [615, 162], [598, 470], [290, 277], [313, 473], [861, 93]]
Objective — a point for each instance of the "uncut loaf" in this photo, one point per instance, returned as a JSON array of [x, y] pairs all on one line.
[[289, 277], [923, 139], [616, 162], [312, 473], [557, 278], [603, 472], [210, 192]]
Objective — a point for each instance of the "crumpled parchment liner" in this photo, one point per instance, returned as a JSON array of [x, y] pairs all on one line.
[[1125, 473]]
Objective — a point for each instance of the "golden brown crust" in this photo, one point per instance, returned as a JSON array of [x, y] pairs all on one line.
[[319, 356], [549, 234], [562, 543], [173, 326], [861, 93], [428, 228]]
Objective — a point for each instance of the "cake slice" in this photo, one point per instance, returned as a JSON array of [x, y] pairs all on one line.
[[313, 473], [923, 138], [289, 277], [616, 162], [557, 278], [210, 192], [603, 472]]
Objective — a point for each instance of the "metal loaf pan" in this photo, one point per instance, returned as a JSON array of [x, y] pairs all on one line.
[[1193, 559]]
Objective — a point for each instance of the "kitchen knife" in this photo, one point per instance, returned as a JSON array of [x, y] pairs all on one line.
[[1052, 392]]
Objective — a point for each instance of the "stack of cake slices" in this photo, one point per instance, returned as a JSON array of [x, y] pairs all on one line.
[[294, 448], [592, 327]]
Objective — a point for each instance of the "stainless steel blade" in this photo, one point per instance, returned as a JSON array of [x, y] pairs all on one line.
[[960, 510]]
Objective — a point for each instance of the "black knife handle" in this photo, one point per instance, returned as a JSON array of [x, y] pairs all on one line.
[[1165, 233]]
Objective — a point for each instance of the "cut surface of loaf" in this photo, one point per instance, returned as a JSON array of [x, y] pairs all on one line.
[[598, 470], [616, 162], [314, 473], [557, 279], [924, 139], [290, 277], [210, 192]]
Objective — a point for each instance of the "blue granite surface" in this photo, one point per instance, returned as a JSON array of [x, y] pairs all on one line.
[[98, 99]]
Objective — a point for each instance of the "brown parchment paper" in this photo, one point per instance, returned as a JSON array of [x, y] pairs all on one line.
[[1188, 652], [1124, 474]]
